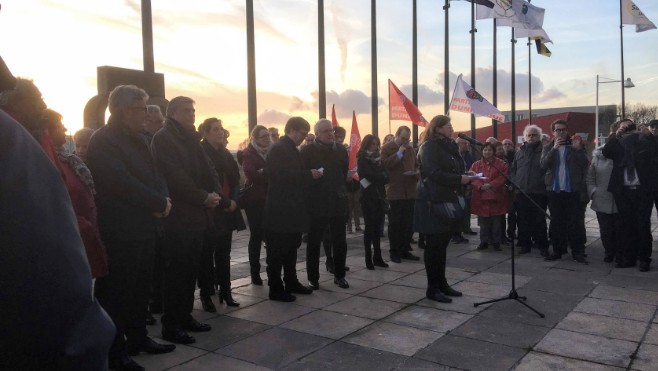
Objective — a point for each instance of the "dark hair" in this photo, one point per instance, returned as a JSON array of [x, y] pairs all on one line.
[[438, 121], [489, 144], [297, 124], [340, 129], [204, 128], [365, 143], [652, 123], [559, 122], [52, 119], [401, 129]]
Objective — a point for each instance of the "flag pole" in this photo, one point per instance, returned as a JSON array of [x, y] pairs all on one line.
[[446, 62], [621, 37], [473, 31], [494, 123], [373, 61], [529, 81], [322, 93], [414, 69], [389, 106], [513, 89], [251, 68]]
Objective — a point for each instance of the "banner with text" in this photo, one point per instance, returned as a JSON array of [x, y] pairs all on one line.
[[468, 100], [401, 108]]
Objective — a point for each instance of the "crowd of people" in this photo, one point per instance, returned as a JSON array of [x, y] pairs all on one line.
[[155, 201]]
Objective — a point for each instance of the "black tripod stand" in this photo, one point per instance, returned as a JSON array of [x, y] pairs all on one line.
[[513, 294]]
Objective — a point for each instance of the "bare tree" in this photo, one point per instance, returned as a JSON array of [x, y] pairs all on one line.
[[640, 113]]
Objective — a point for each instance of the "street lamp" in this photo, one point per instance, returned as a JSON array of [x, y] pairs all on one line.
[[627, 84]]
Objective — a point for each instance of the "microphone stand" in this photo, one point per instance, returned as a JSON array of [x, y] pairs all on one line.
[[513, 294]]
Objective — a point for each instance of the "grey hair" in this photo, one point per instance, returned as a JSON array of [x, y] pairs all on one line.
[[532, 127], [176, 102], [319, 123], [123, 97], [152, 109]]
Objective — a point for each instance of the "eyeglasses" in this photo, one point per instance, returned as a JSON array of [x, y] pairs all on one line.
[[559, 130]]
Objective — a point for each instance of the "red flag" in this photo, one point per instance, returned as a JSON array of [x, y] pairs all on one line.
[[334, 121], [401, 108], [355, 144]]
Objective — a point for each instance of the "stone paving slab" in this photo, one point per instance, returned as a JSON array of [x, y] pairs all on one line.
[[560, 286], [625, 294], [471, 354], [275, 347], [539, 361], [321, 298], [463, 304], [357, 286], [617, 309], [271, 312], [616, 328], [327, 324], [587, 347], [382, 275], [182, 354], [393, 338], [400, 294], [428, 318], [500, 279], [647, 358], [366, 307], [417, 280], [510, 333], [212, 361], [652, 335], [483, 290]]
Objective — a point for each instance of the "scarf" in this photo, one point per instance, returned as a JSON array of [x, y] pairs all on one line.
[[374, 157], [262, 151], [78, 166]]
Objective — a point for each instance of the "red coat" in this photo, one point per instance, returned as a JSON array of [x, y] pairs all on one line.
[[496, 200]]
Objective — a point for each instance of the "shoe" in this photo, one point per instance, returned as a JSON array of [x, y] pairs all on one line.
[[644, 266], [436, 295], [580, 259], [482, 246], [225, 296], [298, 288], [151, 347], [395, 259], [315, 285], [369, 265], [524, 250], [193, 325], [150, 320], [409, 256], [380, 263], [471, 232], [449, 291], [256, 280], [207, 304], [342, 283], [282, 296], [624, 264], [330, 267], [178, 336], [553, 257], [124, 363], [496, 247], [459, 239]]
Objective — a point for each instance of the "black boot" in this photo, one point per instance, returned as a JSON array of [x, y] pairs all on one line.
[[377, 258], [207, 304], [436, 295], [369, 264], [225, 295]]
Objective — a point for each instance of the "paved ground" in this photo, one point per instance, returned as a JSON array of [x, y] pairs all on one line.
[[597, 317]]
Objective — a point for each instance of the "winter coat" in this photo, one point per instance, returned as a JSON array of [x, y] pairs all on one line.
[[598, 177], [400, 186], [576, 166], [327, 195], [255, 181], [642, 148], [496, 200], [373, 172], [526, 170]]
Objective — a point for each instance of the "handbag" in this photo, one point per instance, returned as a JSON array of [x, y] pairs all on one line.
[[450, 211], [244, 193]]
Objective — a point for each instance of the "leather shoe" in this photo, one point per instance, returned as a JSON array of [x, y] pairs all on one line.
[[178, 336], [379, 263], [409, 256], [150, 320], [256, 280], [315, 285], [282, 296], [208, 305], [643, 266], [193, 325], [449, 291], [553, 257], [342, 283], [298, 288], [436, 295], [151, 347], [396, 259], [124, 363]]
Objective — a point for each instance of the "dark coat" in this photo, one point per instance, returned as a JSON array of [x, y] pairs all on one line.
[[255, 180], [49, 318], [285, 206], [190, 177], [526, 170], [441, 169], [229, 177], [327, 195], [577, 165], [642, 148], [128, 187], [374, 173]]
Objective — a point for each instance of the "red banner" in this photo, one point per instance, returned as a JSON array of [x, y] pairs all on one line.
[[355, 144], [334, 121], [401, 108]]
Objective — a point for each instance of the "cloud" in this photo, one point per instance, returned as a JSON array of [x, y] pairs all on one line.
[[425, 94], [348, 101], [299, 105], [271, 117]]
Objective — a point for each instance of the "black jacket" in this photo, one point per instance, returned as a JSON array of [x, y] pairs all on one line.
[[526, 170], [128, 187], [285, 205], [49, 318], [642, 148], [327, 196], [374, 173], [190, 177]]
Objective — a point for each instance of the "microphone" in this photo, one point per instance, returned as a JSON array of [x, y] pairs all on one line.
[[469, 139]]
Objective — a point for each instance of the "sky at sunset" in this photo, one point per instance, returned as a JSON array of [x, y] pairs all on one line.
[[200, 47]]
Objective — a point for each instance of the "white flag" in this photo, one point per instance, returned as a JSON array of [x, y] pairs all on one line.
[[631, 14], [535, 34], [513, 13], [466, 99]]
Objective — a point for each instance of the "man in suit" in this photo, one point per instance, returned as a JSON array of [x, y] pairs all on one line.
[[285, 217], [631, 183]]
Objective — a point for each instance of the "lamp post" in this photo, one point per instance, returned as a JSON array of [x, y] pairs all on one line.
[[626, 84]]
